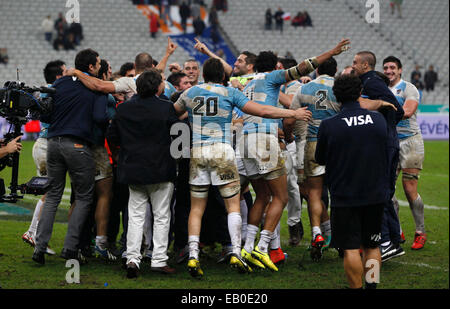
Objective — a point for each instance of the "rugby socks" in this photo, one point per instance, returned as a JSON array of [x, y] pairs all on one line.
[[275, 242], [264, 240], [244, 214], [35, 221], [417, 209], [252, 230], [193, 241], [234, 228], [325, 227], [101, 242], [315, 231]]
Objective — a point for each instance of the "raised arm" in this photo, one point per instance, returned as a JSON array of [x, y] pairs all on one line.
[[205, 50], [169, 51], [308, 65]]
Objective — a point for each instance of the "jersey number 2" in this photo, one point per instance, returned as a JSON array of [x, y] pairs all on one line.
[[322, 96]]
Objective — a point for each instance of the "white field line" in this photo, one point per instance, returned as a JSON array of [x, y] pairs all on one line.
[[421, 265], [406, 204], [400, 202], [432, 174]]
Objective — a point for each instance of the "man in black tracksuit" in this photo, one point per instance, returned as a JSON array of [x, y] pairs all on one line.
[[353, 147], [374, 87]]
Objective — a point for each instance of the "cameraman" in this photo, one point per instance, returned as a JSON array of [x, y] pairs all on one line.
[[11, 147], [52, 71]]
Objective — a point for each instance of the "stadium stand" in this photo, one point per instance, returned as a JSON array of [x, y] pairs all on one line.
[[412, 40], [118, 31], [114, 28]]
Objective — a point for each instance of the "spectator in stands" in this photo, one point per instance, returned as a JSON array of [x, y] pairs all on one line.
[[396, 4], [214, 22], [268, 23], [164, 11], [416, 71], [415, 80], [179, 80], [279, 21], [221, 5], [77, 30], [289, 55], [199, 26], [47, 27], [308, 20], [298, 20], [4, 56], [58, 21], [185, 13], [127, 70], [68, 41], [195, 10], [154, 25], [213, 17], [58, 43], [430, 78]]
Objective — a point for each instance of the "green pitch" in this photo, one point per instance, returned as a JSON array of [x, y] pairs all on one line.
[[424, 269]]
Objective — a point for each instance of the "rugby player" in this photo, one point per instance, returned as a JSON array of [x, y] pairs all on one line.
[[263, 160], [293, 164], [319, 98], [213, 161], [412, 150]]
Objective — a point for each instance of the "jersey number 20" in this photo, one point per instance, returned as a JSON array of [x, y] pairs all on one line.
[[211, 106]]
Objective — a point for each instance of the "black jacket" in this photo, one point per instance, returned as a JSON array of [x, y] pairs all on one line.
[[75, 108], [141, 128], [353, 147], [375, 88]]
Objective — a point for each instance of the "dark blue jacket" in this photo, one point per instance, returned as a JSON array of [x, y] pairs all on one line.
[[353, 147], [75, 108], [375, 88]]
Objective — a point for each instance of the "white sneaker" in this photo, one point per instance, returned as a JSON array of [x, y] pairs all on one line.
[[49, 251]]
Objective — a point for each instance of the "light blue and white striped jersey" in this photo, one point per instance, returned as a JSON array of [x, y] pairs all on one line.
[[404, 91], [264, 89], [210, 107], [169, 89], [291, 87], [318, 96]]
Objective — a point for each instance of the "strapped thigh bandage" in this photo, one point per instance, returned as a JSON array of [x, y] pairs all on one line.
[[199, 191]]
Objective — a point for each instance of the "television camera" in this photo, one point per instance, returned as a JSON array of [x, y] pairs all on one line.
[[19, 104]]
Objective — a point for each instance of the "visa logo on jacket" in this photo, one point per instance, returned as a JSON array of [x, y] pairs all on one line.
[[358, 120]]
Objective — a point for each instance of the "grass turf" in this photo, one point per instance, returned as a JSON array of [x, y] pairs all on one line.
[[424, 269]]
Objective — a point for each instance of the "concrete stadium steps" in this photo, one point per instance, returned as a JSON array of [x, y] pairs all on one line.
[[114, 28]]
